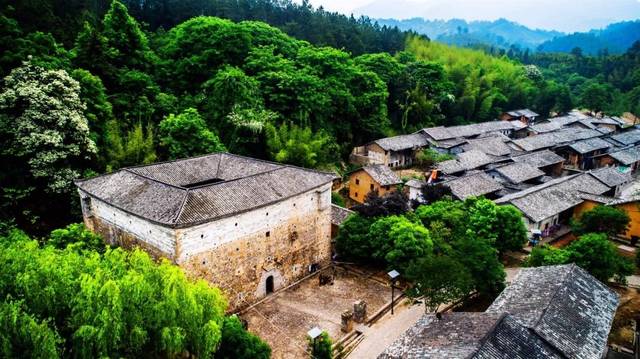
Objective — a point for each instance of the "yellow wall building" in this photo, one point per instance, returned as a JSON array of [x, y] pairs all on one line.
[[373, 178], [630, 206]]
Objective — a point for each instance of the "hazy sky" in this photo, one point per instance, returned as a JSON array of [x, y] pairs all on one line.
[[563, 15]]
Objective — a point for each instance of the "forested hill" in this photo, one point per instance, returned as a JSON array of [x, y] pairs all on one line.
[[500, 33], [121, 96], [614, 39], [65, 18]]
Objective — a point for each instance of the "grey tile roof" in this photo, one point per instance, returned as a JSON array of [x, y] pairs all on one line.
[[511, 340], [546, 127], [382, 174], [590, 145], [519, 172], [616, 201], [611, 176], [403, 142], [539, 159], [414, 183], [627, 156], [564, 305], [456, 335], [466, 161], [523, 112], [547, 312], [164, 193], [445, 133], [546, 200], [550, 139], [476, 184], [596, 198], [630, 137], [339, 214], [492, 145]]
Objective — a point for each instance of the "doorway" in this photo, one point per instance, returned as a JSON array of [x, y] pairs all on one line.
[[269, 285]]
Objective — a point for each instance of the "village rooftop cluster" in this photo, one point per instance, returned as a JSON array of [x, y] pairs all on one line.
[[551, 170]]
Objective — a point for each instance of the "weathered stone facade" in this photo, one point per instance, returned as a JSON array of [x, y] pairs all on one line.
[[237, 254], [248, 234]]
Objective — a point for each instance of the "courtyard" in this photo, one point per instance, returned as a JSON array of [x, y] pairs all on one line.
[[284, 318]]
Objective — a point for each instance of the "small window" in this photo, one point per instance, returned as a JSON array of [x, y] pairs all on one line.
[[357, 181], [267, 213], [86, 206], [371, 187], [356, 195], [268, 234]]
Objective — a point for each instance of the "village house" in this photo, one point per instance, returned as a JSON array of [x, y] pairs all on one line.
[[441, 133], [613, 178], [549, 206], [625, 160], [373, 178], [555, 138], [525, 116], [466, 161], [627, 138], [582, 154], [494, 145], [517, 173], [248, 226], [474, 185], [398, 151], [631, 206], [547, 312], [548, 162]]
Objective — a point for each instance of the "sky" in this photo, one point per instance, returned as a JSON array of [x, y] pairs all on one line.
[[561, 15]]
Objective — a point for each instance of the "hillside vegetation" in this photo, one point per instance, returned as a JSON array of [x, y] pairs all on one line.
[[125, 96]]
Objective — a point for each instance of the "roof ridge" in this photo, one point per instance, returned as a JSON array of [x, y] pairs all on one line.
[[490, 333], [182, 205], [239, 178], [572, 267], [173, 161], [537, 188], [280, 164], [128, 169]]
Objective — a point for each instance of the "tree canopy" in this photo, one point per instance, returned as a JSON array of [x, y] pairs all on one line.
[[602, 219], [593, 252], [73, 301]]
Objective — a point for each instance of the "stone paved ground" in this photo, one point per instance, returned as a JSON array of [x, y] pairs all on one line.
[[284, 319], [386, 330]]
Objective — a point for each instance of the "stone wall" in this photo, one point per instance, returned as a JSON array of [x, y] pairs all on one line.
[[239, 253], [123, 229]]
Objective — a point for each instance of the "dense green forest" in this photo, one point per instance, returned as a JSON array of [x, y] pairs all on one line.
[[112, 92], [122, 95], [604, 82], [65, 18]]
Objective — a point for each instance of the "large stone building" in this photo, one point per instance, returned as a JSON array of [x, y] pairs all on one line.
[[248, 226]]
